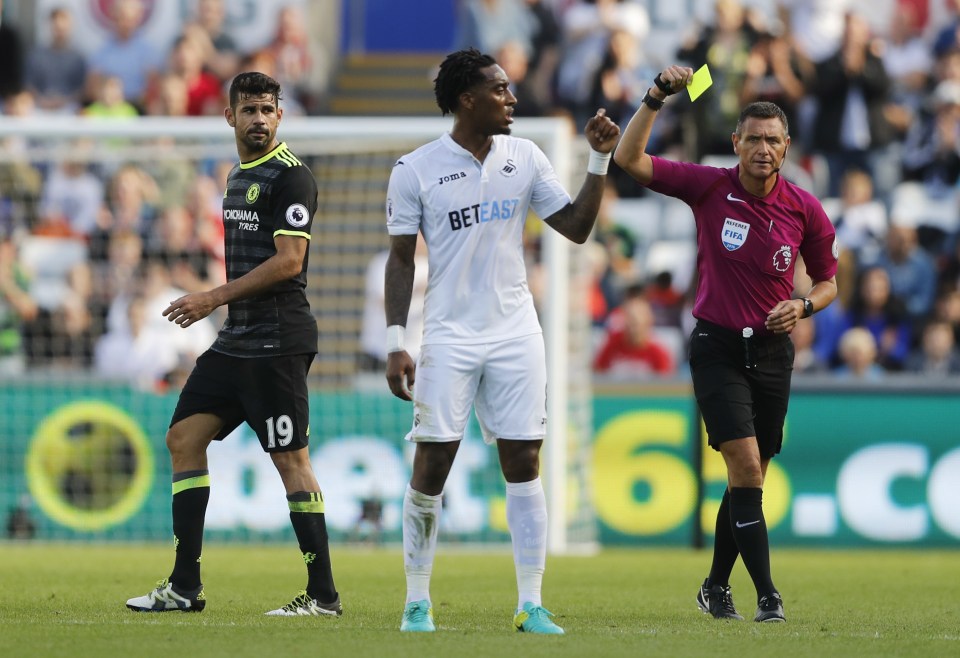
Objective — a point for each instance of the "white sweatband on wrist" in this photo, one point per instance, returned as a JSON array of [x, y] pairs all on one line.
[[598, 163], [395, 338]]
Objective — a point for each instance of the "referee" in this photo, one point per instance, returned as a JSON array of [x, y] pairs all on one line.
[[752, 225]]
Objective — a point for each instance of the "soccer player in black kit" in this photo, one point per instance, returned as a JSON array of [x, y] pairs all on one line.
[[256, 371], [752, 224]]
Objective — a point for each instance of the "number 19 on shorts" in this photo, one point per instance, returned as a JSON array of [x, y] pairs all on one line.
[[279, 432]]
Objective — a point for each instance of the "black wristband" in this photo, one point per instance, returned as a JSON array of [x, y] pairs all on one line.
[[807, 307], [664, 86], [651, 102]]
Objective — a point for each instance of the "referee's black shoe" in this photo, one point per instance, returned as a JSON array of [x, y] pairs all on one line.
[[770, 608], [717, 601]]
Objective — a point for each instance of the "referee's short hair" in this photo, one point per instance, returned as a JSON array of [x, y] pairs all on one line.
[[253, 83], [458, 72], [762, 110]]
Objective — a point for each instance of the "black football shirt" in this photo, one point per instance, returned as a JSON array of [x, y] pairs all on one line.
[[273, 195]]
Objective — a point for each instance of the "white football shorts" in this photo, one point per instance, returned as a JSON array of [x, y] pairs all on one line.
[[506, 382]]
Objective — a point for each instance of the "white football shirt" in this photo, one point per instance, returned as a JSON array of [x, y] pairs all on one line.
[[472, 215]]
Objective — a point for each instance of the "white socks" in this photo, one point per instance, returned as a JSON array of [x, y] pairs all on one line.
[[527, 520], [421, 522]]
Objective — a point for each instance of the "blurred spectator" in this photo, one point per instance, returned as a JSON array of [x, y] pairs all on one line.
[[815, 26], [373, 330], [202, 201], [805, 359], [132, 197], [545, 55], [852, 89], [877, 310], [774, 73], [937, 355], [858, 355], [725, 46], [597, 265], [204, 90], [931, 149], [16, 305], [947, 309], [56, 71], [137, 352], [862, 220], [11, 54], [587, 26], [911, 270], [115, 272], [622, 79], [489, 24], [109, 100], [219, 50], [948, 38], [633, 351], [72, 193], [126, 54], [287, 59], [173, 241], [908, 61], [170, 97], [154, 285], [60, 335], [620, 245], [514, 61], [666, 301], [20, 181]]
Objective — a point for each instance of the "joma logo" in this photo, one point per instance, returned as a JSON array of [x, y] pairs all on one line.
[[451, 177]]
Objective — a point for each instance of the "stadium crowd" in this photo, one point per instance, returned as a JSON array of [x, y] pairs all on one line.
[[875, 122]]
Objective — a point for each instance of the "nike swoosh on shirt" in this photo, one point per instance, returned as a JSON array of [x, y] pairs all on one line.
[[730, 197], [744, 525]]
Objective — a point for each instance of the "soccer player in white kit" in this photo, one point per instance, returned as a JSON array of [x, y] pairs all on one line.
[[468, 193]]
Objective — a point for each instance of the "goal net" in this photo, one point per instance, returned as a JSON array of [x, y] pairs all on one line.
[[159, 182]]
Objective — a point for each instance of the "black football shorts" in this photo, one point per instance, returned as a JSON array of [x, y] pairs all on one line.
[[737, 401], [269, 394]]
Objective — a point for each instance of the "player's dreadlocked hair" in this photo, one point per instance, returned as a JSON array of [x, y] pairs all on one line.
[[763, 110], [252, 83], [458, 72]]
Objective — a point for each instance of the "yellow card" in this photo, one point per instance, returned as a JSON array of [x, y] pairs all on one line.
[[700, 82]]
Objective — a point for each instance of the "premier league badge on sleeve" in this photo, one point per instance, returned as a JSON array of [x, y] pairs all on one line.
[[734, 234], [297, 215]]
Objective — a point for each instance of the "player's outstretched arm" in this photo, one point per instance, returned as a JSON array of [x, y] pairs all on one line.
[[398, 291], [631, 154], [576, 220]]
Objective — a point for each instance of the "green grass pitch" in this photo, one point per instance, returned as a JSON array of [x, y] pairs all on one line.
[[68, 600]]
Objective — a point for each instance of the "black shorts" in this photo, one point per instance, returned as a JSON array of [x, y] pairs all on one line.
[[269, 393], [736, 401]]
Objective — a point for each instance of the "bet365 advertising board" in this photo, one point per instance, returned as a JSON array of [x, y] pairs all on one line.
[[82, 461]]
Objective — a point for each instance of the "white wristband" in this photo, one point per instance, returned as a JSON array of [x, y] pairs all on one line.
[[395, 338], [598, 163]]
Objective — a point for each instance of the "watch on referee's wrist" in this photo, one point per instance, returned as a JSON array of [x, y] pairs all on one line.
[[651, 102], [807, 307]]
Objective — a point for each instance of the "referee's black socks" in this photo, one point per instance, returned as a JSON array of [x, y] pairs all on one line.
[[310, 526], [750, 532], [725, 549]]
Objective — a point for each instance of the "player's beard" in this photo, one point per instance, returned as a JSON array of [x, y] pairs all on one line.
[[258, 142]]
